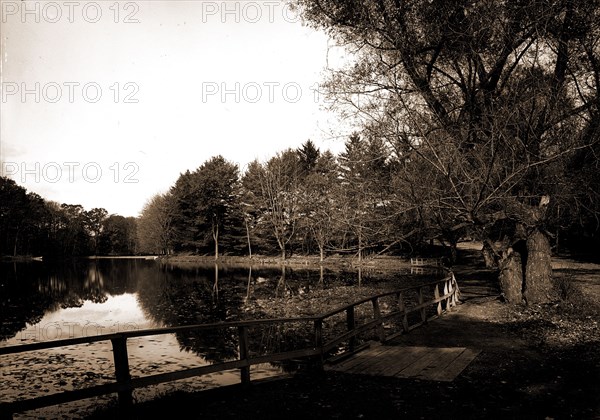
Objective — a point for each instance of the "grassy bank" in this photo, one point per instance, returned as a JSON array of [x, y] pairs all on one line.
[[338, 261]]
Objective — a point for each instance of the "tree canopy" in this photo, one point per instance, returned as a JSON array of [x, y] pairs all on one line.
[[489, 106]]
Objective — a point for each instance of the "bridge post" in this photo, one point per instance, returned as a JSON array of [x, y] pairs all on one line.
[[402, 308], [446, 291], [377, 315], [122, 373], [243, 343], [350, 323], [423, 309], [436, 294], [319, 342], [455, 291]]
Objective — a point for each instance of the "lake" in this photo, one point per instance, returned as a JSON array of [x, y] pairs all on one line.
[[41, 302]]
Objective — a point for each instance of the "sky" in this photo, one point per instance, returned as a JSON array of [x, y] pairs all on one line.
[[105, 103]]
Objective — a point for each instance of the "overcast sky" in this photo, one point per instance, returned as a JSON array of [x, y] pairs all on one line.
[[105, 103]]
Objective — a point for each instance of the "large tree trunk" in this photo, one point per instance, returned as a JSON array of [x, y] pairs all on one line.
[[527, 275], [538, 272], [489, 255], [511, 276], [453, 252]]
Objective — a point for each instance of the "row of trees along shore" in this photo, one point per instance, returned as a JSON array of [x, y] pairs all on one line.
[[477, 119], [32, 226]]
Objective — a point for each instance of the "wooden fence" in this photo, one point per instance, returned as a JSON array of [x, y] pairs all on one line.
[[332, 335]]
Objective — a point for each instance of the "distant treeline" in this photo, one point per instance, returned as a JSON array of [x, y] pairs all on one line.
[[30, 225], [301, 201]]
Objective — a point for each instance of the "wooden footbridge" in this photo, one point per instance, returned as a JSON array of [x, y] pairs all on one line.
[[354, 339], [429, 363]]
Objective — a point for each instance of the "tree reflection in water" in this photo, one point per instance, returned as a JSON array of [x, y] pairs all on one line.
[[187, 293], [175, 294], [32, 290]]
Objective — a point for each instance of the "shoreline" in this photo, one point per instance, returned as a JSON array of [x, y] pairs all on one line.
[[20, 258], [339, 262]]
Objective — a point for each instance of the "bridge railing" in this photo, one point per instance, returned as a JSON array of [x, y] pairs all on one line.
[[388, 315], [334, 333]]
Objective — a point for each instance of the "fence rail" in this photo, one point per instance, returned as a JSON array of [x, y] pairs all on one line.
[[334, 334]]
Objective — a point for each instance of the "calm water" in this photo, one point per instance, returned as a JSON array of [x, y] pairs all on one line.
[[40, 302]]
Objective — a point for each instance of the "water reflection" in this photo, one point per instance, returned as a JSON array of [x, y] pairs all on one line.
[[112, 315], [31, 290], [99, 296], [185, 294]]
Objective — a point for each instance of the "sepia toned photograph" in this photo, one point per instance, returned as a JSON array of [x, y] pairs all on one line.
[[281, 209]]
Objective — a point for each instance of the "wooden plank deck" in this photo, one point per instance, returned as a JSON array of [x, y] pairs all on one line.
[[430, 363]]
